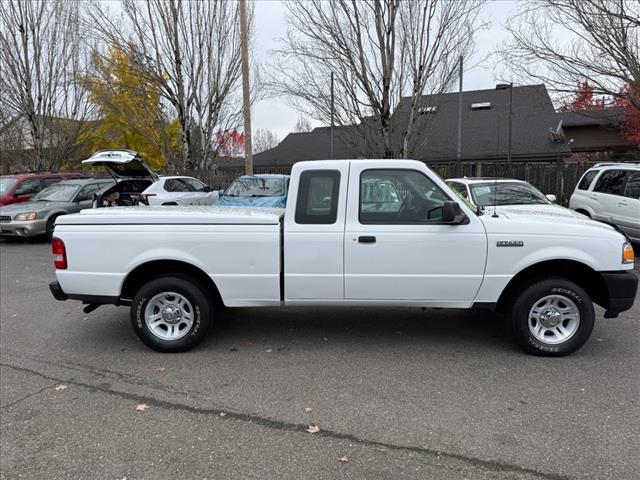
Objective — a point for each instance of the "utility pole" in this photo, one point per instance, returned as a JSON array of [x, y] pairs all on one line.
[[510, 125], [246, 99], [332, 110], [460, 123]]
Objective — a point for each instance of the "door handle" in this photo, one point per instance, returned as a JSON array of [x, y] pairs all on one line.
[[623, 203], [367, 239], [594, 197]]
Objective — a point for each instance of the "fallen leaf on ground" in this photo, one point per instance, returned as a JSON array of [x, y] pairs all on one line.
[[60, 387], [142, 407], [222, 414], [313, 428], [160, 369], [268, 350], [308, 409], [344, 458]]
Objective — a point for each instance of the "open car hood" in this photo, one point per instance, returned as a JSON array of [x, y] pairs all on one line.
[[122, 164]]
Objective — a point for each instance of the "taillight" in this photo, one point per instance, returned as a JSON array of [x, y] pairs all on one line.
[[59, 253], [144, 198]]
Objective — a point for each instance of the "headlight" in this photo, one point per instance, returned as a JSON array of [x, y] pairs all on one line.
[[627, 253], [26, 216]]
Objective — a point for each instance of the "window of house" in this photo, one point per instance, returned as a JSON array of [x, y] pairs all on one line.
[[399, 197], [611, 182], [317, 201]]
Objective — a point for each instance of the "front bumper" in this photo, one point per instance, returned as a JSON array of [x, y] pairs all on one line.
[[621, 292], [25, 228]]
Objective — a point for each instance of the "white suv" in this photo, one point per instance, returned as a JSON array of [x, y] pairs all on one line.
[[610, 192]]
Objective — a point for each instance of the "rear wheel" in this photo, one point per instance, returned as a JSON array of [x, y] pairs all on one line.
[[552, 317], [171, 314]]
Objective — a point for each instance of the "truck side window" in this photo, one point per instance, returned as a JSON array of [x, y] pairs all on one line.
[[399, 197], [317, 201]]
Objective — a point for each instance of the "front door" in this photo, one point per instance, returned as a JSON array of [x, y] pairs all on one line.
[[396, 248]]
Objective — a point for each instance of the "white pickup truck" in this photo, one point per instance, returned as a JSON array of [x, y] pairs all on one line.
[[354, 232]]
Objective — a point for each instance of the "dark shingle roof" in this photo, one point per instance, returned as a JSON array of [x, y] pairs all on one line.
[[588, 118], [484, 132]]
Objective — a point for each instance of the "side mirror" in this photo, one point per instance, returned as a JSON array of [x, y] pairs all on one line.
[[452, 213], [221, 192], [207, 189], [551, 197]]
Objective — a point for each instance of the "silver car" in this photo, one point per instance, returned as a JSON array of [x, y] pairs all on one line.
[[38, 215]]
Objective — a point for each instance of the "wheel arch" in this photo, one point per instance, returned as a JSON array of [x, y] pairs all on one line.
[[163, 268], [583, 275]]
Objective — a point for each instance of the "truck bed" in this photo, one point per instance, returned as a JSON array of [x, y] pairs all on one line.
[[239, 248]]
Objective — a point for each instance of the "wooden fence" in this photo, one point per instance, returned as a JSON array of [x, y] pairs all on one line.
[[558, 178]]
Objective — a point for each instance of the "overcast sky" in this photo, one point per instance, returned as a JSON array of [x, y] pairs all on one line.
[[278, 116]]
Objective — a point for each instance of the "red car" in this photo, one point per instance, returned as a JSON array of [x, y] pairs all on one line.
[[20, 187]]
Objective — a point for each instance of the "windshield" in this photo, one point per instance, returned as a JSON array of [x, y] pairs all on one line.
[[6, 184], [506, 193], [58, 192], [256, 187], [466, 201]]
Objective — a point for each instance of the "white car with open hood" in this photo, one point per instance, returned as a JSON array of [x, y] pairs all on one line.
[[354, 232]]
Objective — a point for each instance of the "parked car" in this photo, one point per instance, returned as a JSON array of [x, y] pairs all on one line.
[[267, 190], [429, 249], [610, 192], [487, 192], [20, 187], [131, 175], [38, 215], [178, 191]]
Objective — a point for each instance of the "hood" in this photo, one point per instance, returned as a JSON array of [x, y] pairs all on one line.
[[555, 220], [258, 202], [122, 164], [29, 206], [533, 210], [198, 215]]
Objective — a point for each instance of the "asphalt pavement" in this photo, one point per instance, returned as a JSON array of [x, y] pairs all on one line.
[[396, 393]]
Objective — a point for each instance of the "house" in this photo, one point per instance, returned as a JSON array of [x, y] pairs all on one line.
[[596, 135], [535, 134]]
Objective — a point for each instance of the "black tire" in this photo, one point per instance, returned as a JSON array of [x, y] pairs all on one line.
[[193, 292], [528, 296], [50, 226], [172, 204], [584, 212]]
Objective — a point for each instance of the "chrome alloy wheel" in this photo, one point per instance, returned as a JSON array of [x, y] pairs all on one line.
[[169, 316], [554, 319]]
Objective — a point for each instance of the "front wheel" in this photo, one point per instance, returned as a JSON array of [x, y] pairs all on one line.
[[552, 317], [171, 314]]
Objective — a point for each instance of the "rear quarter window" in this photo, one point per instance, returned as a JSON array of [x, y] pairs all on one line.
[[586, 180], [317, 201]]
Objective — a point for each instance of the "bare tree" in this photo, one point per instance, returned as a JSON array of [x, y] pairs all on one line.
[[42, 57], [192, 50], [264, 139], [379, 52], [302, 125], [602, 46]]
